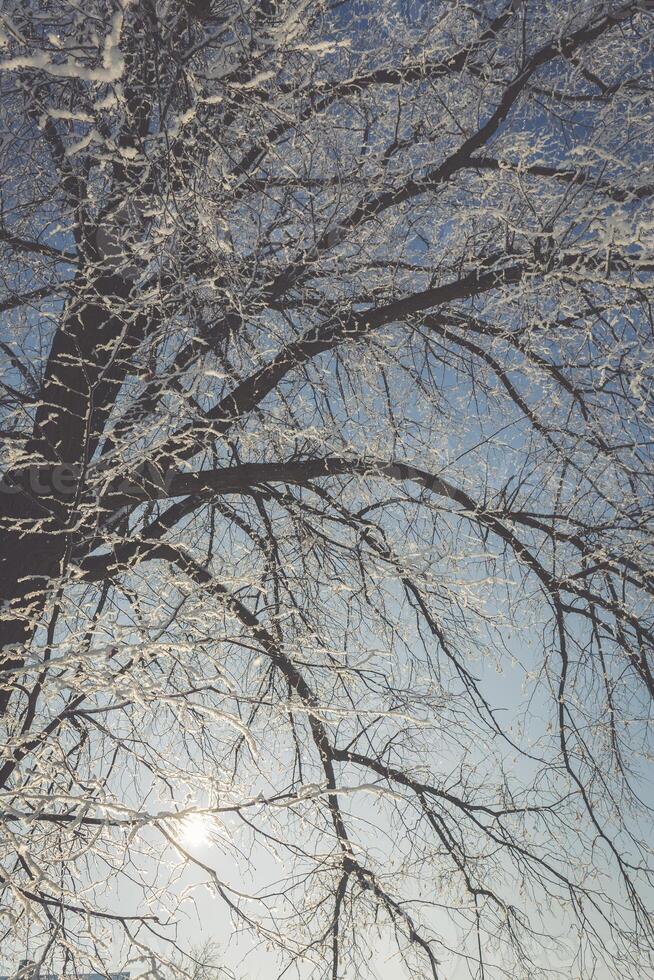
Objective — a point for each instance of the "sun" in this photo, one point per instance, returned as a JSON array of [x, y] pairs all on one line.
[[195, 831]]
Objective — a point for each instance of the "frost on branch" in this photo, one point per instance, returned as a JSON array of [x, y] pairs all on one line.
[[326, 486]]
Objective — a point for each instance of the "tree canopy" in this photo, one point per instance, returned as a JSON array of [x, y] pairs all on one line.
[[327, 488]]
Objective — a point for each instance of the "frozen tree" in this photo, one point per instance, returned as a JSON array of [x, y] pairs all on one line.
[[327, 487]]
